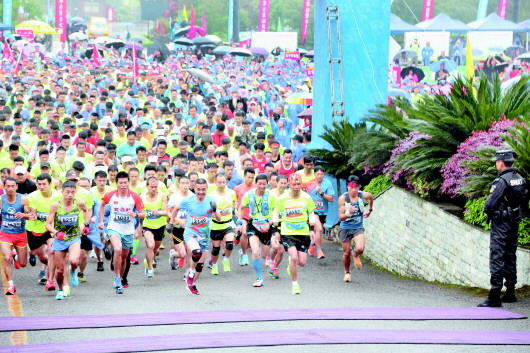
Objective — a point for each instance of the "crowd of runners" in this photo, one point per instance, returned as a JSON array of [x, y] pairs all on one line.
[[93, 162]]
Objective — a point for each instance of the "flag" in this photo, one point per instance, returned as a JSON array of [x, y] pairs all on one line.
[[136, 70], [279, 27], [184, 14], [19, 62], [96, 58], [163, 27], [157, 27], [503, 7], [8, 53], [38, 64], [204, 26], [305, 18], [192, 17], [482, 9], [428, 9], [179, 20], [470, 67]]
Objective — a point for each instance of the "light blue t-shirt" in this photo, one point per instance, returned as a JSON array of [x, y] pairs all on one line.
[[199, 215], [321, 205]]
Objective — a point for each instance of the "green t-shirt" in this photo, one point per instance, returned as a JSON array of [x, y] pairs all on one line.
[[225, 206], [41, 205], [296, 213]]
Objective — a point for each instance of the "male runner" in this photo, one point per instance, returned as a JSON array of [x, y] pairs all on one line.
[[154, 224], [199, 210], [224, 229], [63, 223], [277, 248], [125, 206], [13, 239], [260, 203], [298, 225], [352, 210], [177, 254], [240, 190]]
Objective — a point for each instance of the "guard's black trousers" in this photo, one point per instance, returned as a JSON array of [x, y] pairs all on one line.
[[503, 248]]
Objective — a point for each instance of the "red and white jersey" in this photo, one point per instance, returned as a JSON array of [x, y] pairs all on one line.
[[119, 220]]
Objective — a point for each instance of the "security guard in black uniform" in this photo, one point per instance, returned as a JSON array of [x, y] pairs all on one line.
[[504, 207]]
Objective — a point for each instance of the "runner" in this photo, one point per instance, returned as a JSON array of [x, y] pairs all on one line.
[[240, 190], [321, 191], [352, 210], [277, 248], [285, 165], [99, 190], [177, 254], [39, 239], [223, 230], [13, 239], [199, 210], [154, 224], [125, 207], [297, 226], [307, 174], [260, 203], [63, 223]]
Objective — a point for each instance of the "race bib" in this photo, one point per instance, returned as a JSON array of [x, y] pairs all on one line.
[[150, 214], [182, 214], [41, 216], [12, 224], [121, 217], [261, 226], [68, 220], [319, 204], [295, 225]]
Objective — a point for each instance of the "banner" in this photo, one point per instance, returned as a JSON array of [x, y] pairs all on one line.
[[291, 55], [263, 25], [503, 7], [428, 7], [61, 7], [310, 71], [482, 9], [245, 43], [305, 19], [26, 33], [7, 15], [110, 14], [184, 14], [192, 17], [470, 65], [204, 26], [230, 20], [96, 57], [7, 54]]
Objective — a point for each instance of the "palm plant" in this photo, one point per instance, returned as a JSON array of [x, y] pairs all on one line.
[[519, 141]]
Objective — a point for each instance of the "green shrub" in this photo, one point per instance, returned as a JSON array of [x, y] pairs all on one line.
[[474, 213], [378, 184], [524, 232]]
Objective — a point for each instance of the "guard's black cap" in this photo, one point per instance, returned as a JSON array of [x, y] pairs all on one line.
[[504, 155]]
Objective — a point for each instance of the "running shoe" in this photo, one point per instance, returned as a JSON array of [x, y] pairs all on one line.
[[81, 277], [311, 251], [273, 272], [215, 269], [60, 295], [258, 283], [134, 260], [74, 281], [107, 253], [50, 286], [245, 260], [172, 260], [124, 283], [161, 247], [42, 277], [210, 263], [241, 262], [320, 254], [296, 289], [357, 262], [193, 289], [15, 259], [32, 260], [11, 290], [117, 282], [180, 262], [226, 265], [150, 273], [347, 277], [189, 280], [154, 262], [100, 267], [119, 290], [66, 291]]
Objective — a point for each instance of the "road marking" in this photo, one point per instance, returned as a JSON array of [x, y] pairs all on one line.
[[14, 304]]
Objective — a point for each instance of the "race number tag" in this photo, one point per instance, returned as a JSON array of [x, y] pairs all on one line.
[[41, 216], [150, 214], [121, 217], [68, 220], [12, 224]]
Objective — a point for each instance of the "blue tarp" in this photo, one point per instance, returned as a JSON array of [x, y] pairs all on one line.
[[495, 23], [398, 26], [4, 27], [443, 23], [525, 25]]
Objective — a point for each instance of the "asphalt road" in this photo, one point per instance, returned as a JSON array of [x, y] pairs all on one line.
[[320, 281]]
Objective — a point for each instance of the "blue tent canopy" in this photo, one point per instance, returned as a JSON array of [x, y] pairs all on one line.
[[398, 26], [443, 23], [495, 23], [525, 25], [4, 27]]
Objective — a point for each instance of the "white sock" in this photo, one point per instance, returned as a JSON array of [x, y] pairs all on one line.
[[191, 273], [225, 258], [10, 283], [295, 283]]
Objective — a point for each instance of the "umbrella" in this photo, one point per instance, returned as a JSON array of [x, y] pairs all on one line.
[[508, 84], [449, 65], [221, 50], [259, 51], [182, 31], [4, 27], [78, 36], [158, 46], [136, 45], [183, 41], [214, 38], [76, 20], [19, 44], [240, 52], [302, 51], [308, 112], [501, 67], [195, 32], [89, 51], [394, 93], [419, 72], [496, 49], [78, 27], [33, 48], [202, 40], [37, 27], [514, 51], [137, 39], [524, 57], [304, 98], [200, 75], [114, 43], [310, 54], [474, 51], [409, 53], [208, 46]]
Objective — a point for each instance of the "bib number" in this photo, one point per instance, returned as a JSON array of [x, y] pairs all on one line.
[[12, 224], [41, 216], [121, 217], [150, 214], [67, 220]]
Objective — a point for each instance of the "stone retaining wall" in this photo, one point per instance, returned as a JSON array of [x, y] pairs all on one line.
[[415, 238]]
